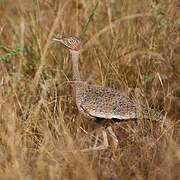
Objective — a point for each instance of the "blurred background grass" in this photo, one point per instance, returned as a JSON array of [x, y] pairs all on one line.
[[130, 46]]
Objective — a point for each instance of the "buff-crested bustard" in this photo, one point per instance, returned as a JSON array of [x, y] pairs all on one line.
[[102, 102]]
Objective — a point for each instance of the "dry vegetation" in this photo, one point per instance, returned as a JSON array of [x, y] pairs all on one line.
[[129, 45]]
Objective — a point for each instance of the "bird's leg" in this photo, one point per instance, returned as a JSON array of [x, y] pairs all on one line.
[[101, 147], [105, 141], [113, 136]]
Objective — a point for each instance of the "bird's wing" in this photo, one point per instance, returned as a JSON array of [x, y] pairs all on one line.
[[107, 103]]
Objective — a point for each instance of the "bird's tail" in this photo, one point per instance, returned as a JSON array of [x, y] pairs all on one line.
[[152, 114], [144, 112]]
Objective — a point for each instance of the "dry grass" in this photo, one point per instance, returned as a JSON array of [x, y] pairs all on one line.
[[129, 46]]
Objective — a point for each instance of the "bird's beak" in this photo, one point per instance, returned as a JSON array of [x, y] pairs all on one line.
[[57, 39]]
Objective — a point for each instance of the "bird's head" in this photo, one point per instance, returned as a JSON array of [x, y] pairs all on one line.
[[72, 43]]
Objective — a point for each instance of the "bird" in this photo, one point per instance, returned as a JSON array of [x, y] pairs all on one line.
[[96, 101]]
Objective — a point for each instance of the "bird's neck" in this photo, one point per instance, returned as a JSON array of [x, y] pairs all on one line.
[[75, 61], [76, 77]]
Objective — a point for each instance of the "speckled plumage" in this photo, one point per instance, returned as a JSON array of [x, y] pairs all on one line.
[[103, 102]]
